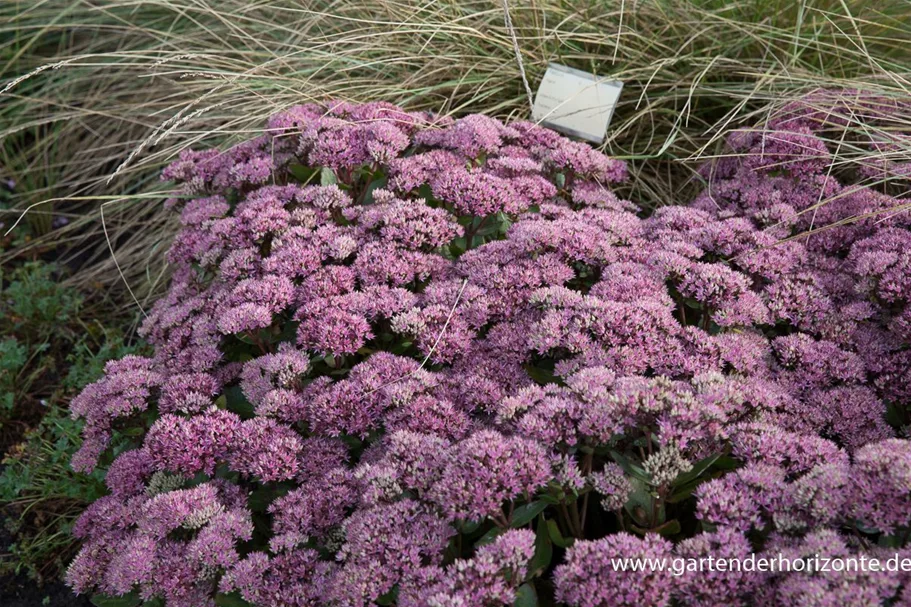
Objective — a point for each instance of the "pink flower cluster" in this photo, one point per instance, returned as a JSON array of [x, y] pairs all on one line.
[[409, 360]]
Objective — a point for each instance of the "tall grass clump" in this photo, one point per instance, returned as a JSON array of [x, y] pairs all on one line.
[[98, 95]]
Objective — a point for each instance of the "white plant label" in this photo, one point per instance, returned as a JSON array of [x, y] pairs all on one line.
[[575, 102]]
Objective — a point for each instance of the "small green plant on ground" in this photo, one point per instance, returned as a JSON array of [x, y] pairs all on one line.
[[49, 351], [38, 319], [43, 496]]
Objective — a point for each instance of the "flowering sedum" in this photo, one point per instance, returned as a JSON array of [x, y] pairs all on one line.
[[410, 360]]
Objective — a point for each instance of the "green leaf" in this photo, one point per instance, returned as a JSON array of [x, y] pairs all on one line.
[[684, 492], [553, 531], [698, 468], [389, 598], [262, 497], [458, 246], [895, 415], [890, 541], [495, 225], [639, 503], [726, 462], [230, 600], [671, 527], [126, 600], [541, 376], [327, 177], [469, 527], [12, 355], [526, 596], [863, 528], [302, 173], [380, 182], [525, 514], [550, 499], [236, 401], [544, 550], [289, 331], [630, 468], [490, 536]]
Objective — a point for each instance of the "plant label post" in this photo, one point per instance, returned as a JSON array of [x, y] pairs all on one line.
[[575, 102]]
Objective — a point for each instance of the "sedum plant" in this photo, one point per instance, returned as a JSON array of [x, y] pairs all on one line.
[[406, 360]]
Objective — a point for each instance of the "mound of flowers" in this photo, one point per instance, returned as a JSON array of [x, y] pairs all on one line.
[[406, 360]]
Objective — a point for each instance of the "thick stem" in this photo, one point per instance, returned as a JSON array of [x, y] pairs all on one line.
[[568, 520], [500, 520], [619, 513], [587, 462], [258, 342], [577, 522], [470, 232]]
